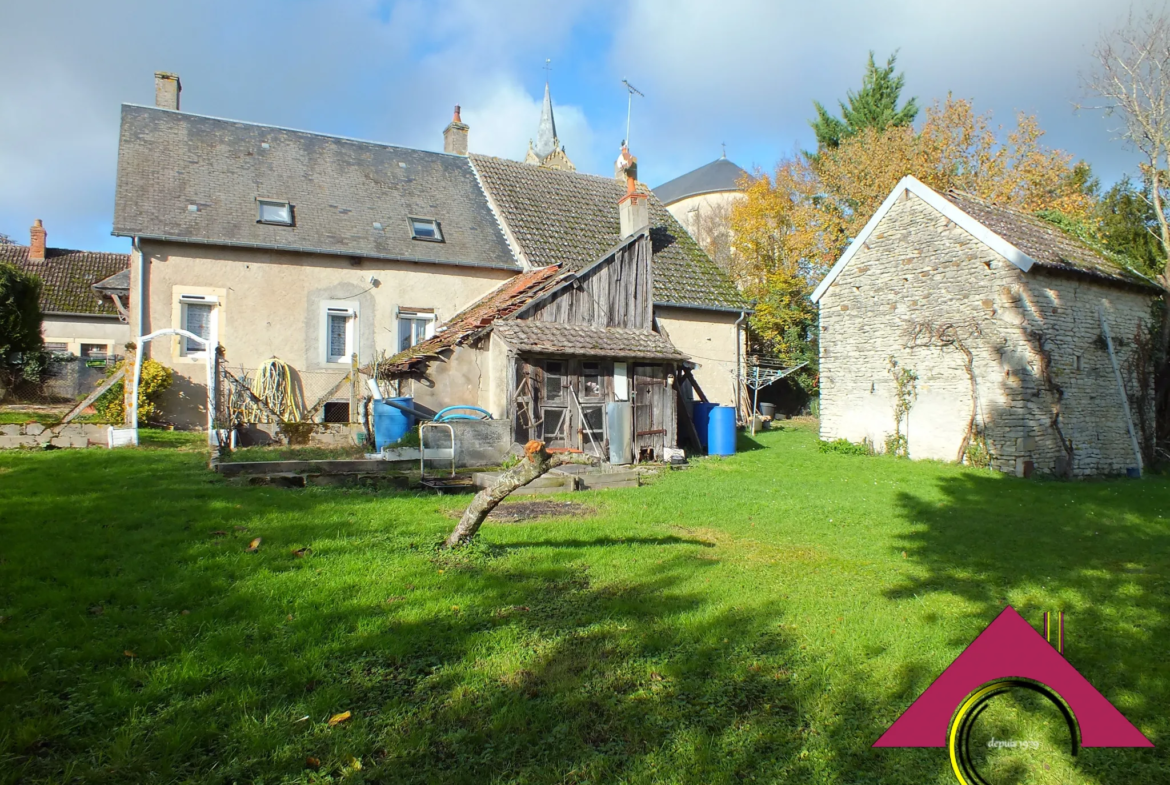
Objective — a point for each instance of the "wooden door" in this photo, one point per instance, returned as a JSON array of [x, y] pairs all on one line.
[[650, 412]]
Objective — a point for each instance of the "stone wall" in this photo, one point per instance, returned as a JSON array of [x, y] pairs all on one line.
[[311, 434], [921, 290], [36, 435]]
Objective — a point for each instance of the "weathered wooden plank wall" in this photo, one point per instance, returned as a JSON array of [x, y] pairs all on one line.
[[617, 292]]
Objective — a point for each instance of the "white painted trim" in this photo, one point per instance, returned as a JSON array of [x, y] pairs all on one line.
[[336, 308], [942, 205]]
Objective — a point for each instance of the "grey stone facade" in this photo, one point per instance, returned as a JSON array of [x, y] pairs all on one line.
[[924, 291]]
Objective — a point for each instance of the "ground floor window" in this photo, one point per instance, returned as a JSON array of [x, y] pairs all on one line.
[[198, 319], [94, 350], [339, 334]]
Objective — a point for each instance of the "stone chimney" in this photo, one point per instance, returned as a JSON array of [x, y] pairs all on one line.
[[36, 242], [634, 207], [455, 136], [166, 90]]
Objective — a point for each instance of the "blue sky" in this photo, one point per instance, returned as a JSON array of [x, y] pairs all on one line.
[[744, 72]]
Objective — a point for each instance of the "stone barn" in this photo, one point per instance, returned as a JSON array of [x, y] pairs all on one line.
[[959, 330]]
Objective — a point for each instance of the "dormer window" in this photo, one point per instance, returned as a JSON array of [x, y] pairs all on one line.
[[273, 211], [426, 229]]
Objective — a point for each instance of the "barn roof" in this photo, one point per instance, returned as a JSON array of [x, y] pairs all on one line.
[[1022, 239]]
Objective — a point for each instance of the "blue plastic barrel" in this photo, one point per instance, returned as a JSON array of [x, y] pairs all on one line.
[[721, 431], [391, 424], [702, 417]]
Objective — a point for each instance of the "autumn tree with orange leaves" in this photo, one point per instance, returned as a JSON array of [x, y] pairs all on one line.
[[796, 223]]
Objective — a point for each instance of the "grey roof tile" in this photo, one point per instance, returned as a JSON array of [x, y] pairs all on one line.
[[342, 190], [719, 175], [571, 219], [576, 340], [67, 277]]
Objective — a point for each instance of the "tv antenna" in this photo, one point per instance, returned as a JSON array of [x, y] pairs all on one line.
[[630, 106]]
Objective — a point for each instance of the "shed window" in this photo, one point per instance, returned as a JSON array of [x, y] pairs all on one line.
[[426, 229], [554, 380], [57, 347], [593, 423], [555, 422], [275, 212], [591, 386]]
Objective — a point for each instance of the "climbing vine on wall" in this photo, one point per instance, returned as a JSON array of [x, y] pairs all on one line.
[[973, 449], [905, 393]]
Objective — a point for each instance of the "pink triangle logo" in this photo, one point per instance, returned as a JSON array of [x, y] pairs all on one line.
[[1010, 649]]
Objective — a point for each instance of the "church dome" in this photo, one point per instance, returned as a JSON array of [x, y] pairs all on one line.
[[718, 176]]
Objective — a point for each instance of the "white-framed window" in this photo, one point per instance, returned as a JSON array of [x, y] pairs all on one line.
[[198, 315], [95, 349], [57, 347], [414, 327], [340, 333], [274, 211], [426, 229]]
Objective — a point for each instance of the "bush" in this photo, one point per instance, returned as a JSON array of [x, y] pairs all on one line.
[[156, 378], [846, 447], [20, 313]]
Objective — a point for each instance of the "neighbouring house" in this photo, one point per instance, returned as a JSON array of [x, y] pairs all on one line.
[[325, 251], [81, 314], [1012, 340]]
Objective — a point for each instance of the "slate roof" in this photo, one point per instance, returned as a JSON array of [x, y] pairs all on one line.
[[473, 321], [719, 175], [68, 276], [118, 283], [571, 219], [578, 340], [1047, 244], [340, 189]]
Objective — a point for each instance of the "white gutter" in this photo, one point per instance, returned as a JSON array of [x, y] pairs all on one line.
[[139, 301]]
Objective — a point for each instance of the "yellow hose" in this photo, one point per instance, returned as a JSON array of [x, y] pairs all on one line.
[[273, 384]]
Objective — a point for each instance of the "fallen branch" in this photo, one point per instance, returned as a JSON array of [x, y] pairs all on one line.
[[535, 463]]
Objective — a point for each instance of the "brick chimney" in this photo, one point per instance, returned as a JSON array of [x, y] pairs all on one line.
[[455, 135], [634, 207], [36, 242], [166, 90]]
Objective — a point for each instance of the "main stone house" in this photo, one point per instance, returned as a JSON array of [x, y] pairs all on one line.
[[324, 251], [996, 336]]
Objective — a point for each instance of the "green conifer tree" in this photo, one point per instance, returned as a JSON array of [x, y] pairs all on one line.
[[875, 105]]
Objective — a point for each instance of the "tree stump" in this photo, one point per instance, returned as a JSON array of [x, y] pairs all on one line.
[[535, 463]]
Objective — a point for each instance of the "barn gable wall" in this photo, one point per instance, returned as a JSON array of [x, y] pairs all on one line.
[[921, 290]]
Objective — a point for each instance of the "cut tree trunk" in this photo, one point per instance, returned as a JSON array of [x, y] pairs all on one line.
[[535, 463]]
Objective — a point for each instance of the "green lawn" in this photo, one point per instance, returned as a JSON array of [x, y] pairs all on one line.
[[760, 618]]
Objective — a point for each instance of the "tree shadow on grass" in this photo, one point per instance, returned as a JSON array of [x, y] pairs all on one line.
[[505, 664], [1098, 551]]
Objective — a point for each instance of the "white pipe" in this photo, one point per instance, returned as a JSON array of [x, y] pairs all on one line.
[[738, 365], [139, 301]]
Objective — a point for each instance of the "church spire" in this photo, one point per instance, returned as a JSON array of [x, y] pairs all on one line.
[[546, 133], [547, 150]]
